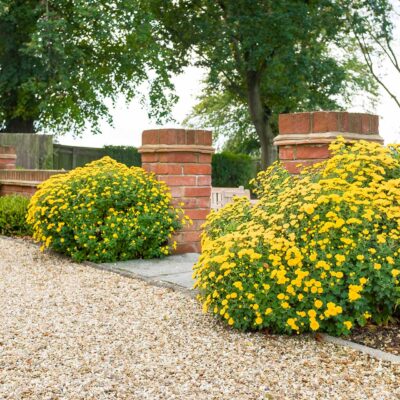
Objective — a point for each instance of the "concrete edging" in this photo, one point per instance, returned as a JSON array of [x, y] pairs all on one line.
[[378, 354]]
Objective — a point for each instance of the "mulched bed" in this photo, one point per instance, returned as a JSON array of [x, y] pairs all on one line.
[[385, 338]]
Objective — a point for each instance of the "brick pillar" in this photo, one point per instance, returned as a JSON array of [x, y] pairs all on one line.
[[304, 138], [182, 159], [8, 157]]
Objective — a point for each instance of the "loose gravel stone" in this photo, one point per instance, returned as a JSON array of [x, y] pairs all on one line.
[[69, 331]]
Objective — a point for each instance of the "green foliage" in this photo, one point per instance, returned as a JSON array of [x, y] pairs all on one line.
[[127, 155], [105, 212], [59, 60], [265, 56], [232, 170], [13, 211], [229, 119], [318, 252], [228, 219]]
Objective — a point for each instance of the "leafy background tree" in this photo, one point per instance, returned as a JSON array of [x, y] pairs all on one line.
[[268, 56], [230, 122], [60, 59], [373, 25]]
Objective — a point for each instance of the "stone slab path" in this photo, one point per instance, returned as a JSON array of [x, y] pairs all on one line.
[[176, 270]]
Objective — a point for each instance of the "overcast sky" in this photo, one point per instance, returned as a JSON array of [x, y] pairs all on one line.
[[130, 120]]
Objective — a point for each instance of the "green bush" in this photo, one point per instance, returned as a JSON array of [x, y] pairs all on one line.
[[127, 155], [105, 212], [13, 211], [318, 252], [232, 170]]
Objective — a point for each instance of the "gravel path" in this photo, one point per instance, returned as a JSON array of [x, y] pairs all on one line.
[[69, 331]]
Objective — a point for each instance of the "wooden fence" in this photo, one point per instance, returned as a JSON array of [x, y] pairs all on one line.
[[33, 151], [70, 157]]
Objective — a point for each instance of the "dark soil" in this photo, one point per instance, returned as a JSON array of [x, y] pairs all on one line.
[[385, 338]]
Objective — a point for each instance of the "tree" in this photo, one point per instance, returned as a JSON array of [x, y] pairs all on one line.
[[271, 55], [372, 24], [230, 121], [60, 59]]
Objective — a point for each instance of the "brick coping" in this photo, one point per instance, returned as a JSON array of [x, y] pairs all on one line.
[[322, 137], [166, 148], [11, 156], [19, 183]]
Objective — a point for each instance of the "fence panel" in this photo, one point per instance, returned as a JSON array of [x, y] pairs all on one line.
[[70, 157], [33, 151]]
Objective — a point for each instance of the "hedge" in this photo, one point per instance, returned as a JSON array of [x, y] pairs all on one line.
[[232, 170], [127, 155], [13, 209]]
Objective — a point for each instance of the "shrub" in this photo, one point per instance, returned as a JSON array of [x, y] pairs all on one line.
[[13, 211], [127, 155], [319, 252], [104, 212], [232, 170]]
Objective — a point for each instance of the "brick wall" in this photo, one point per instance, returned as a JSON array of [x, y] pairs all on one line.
[[182, 159], [23, 188], [25, 182], [304, 138]]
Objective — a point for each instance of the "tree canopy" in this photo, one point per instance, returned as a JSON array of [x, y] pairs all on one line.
[[59, 61], [272, 56]]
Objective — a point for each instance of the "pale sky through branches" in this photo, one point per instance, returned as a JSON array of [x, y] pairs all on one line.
[[130, 120]]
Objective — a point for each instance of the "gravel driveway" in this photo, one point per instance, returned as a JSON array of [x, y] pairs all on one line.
[[69, 331]]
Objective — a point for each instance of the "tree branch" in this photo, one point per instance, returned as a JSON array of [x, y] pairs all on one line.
[[388, 50], [368, 61]]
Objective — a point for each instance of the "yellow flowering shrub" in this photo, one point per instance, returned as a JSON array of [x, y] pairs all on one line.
[[319, 251], [104, 211]]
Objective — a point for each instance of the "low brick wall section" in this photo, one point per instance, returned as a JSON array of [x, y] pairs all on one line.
[[304, 138], [23, 182]]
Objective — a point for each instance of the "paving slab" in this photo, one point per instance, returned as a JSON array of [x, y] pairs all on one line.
[[176, 269]]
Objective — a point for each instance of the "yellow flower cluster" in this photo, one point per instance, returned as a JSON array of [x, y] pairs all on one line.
[[319, 251], [105, 212]]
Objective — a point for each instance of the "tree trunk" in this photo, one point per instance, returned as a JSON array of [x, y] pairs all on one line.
[[260, 117], [19, 125]]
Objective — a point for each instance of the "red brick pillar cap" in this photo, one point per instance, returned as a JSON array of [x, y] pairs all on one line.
[[8, 152], [176, 140], [325, 126], [8, 157]]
